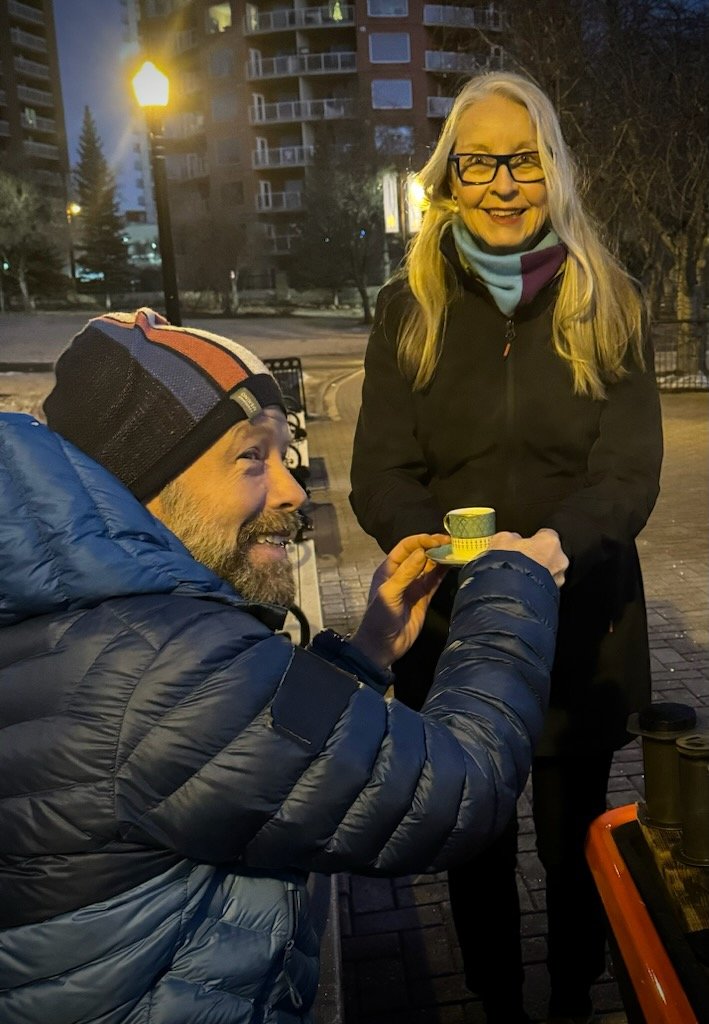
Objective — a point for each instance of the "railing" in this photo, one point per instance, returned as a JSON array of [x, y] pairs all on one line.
[[41, 149], [4, 128], [301, 110], [184, 126], [439, 106], [28, 41], [31, 68], [196, 167], [335, 15], [440, 60], [26, 12], [285, 156], [3, 97], [39, 124], [281, 245], [29, 95], [279, 201], [185, 40], [301, 64], [489, 18]]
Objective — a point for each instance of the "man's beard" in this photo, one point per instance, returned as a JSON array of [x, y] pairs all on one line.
[[270, 581]]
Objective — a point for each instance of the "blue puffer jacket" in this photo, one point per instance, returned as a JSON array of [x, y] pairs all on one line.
[[170, 769]]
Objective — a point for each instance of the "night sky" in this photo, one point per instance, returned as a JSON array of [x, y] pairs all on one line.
[[90, 43]]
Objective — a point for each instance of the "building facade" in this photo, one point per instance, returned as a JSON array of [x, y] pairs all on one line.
[[252, 84], [32, 134]]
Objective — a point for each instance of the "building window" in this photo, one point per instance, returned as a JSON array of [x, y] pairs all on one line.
[[387, 8], [392, 94], [218, 17], [224, 106], [221, 63], [227, 151], [389, 48], [391, 139]]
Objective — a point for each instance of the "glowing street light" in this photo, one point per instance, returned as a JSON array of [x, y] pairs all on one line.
[[152, 91], [72, 210]]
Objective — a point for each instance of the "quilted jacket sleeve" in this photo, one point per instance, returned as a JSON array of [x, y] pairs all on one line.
[[278, 759]]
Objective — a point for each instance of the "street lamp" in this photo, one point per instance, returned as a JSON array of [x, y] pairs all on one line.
[[72, 210], [151, 88]]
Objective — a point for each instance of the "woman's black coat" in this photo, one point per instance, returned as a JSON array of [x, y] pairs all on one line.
[[508, 431]]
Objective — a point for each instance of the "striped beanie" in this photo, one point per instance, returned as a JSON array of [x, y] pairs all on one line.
[[145, 399]]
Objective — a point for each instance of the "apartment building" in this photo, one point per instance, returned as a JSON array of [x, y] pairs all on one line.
[[252, 82], [32, 135]]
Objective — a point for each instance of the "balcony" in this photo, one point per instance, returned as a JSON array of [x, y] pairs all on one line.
[[193, 167], [301, 64], [28, 41], [442, 61], [184, 126], [3, 98], [489, 18], [186, 40], [25, 13], [36, 97], [288, 111], [49, 178], [332, 16], [439, 106], [279, 202], [38, 124], [285, 156], [41, 149], [281, 245], [31, 69], [4, 128]]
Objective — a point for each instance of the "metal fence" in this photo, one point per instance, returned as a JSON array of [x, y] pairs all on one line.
[[681, 364]]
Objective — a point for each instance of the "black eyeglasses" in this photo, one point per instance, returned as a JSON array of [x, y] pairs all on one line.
[[481, 168]]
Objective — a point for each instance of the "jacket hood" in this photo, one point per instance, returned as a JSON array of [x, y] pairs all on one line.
[[72, 536]]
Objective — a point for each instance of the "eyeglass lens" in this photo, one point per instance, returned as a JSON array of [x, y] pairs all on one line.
[[481, 168]]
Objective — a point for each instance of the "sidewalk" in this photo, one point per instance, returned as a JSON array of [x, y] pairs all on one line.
[[400, 958]]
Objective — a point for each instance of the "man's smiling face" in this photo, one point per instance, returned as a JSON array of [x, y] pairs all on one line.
[[235, 508]]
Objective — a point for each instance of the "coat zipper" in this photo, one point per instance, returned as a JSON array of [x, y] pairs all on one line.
[[510, 412], [293, 893]]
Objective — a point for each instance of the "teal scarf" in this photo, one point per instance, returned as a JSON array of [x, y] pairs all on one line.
[[513, 279]]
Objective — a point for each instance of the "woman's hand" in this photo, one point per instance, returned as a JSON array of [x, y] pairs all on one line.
[[401, 591], [544, 547]]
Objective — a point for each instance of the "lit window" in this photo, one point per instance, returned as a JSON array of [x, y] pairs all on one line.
[[392, 94], [387, 8], [218, 17], [389, 48]]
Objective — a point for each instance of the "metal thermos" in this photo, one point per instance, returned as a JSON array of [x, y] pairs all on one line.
[[660, 725], [693, 750]]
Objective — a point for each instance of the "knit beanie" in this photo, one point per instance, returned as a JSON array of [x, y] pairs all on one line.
[[145, 399]]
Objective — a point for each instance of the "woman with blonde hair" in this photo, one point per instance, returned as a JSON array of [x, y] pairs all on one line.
[[509, 367]]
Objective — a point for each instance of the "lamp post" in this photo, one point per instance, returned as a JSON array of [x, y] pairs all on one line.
[[72, 210], [151, 89]]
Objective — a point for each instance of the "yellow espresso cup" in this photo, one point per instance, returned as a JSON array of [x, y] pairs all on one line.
[[470, 530]]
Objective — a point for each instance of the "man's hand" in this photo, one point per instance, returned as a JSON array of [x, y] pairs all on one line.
[[544, 547], [401, 591]]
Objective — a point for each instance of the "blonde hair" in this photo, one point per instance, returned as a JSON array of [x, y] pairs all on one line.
[[598, 313]]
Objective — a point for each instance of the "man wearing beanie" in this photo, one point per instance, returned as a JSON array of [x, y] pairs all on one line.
[[170, 767]]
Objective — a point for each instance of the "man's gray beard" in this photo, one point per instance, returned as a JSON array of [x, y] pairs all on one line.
[[270, 582]]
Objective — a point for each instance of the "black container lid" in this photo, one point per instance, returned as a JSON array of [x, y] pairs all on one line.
[[663, 719]]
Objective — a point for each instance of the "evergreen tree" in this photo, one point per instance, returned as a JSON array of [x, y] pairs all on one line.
[[101, 246]]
